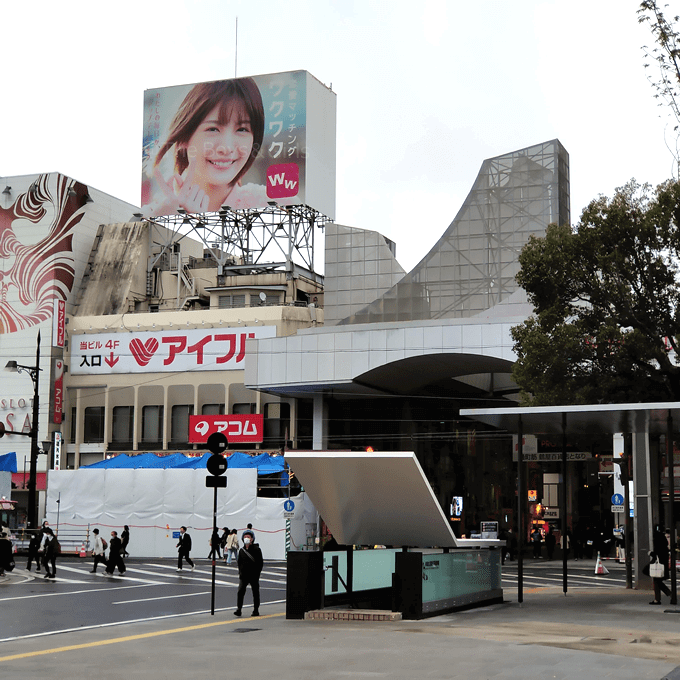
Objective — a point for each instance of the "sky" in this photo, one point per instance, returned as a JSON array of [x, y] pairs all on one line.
[[425, 92]]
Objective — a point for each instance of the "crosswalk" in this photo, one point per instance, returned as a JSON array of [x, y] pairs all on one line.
[[157, 573], [576, 578]]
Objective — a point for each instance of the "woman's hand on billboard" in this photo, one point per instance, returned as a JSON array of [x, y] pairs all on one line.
[[180, 192]]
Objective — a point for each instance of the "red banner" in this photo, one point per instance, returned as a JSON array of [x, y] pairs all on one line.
[[58, 390], [238, 429]]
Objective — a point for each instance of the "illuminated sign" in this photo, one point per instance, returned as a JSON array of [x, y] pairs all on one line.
[[242, 143], [239, 429]]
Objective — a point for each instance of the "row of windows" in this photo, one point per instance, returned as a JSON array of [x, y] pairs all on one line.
[[153, 418]]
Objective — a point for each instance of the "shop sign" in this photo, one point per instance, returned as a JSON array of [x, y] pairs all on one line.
[[239, 429]]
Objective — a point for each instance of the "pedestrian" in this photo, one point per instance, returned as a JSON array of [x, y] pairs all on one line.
[[250, 563], [184, 548], [99, 546], [660, 554], [33, 549], [6, 557], [214, 545], [232, 546], [536, 539], [550, 543], [115, 556], [124, 540], [223, 542], [51, 549]]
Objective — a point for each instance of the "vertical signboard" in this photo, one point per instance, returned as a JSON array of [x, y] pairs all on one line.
[[57, 451], [58, 390], [59, 323]]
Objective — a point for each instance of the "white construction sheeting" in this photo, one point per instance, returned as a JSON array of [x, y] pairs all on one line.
[[156, 502]]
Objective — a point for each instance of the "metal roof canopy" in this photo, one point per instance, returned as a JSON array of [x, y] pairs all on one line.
[[375, 499], [586, 419]]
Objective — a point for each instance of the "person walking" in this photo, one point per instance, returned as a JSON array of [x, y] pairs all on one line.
[[250, 563], [183, 549], [659, 554], [6, 557], [99, 546], [536, 539], [115, 556], [223, 542], [214, 545], [550, 543], [232, 546], [124, 540], [33, 552], [50, 550]]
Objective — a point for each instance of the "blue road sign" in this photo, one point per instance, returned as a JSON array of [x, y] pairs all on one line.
[[288, 505], [617, 499]]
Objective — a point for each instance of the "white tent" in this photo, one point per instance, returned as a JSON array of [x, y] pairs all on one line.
[[156, 502]]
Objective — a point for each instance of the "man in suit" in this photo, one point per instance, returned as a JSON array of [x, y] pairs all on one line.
[[184, 548]]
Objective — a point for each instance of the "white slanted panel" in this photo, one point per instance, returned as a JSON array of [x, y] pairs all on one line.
[[373, 498]]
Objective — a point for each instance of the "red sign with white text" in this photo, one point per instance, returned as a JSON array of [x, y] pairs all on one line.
[[58, 390], [238, 429], [59, 323]]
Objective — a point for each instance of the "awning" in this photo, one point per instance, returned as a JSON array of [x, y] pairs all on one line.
[[40, 480]]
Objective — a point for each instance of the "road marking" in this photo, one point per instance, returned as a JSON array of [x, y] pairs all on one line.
[[128, 638], [127, 578], [162, 597], [79, 592]]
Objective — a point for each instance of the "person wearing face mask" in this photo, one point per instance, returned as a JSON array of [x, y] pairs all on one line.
[[250, 563]]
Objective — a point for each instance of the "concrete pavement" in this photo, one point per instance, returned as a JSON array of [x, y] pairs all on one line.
[[588, 634]]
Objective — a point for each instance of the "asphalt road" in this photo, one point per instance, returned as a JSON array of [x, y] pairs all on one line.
[[150, 590]]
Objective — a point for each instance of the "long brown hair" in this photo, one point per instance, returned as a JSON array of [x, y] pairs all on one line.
[[200, 101]]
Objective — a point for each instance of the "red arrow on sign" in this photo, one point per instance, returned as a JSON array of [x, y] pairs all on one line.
[[111, 361]]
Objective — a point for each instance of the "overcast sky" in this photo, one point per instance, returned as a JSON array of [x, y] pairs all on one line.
[[425, 92]]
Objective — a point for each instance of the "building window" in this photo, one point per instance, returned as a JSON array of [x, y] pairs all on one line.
[[212, 410], [243, 409], [123, 422], [231, 301], [74, 424], [93, 430], [180, 423], [152, 424], [276, 423]]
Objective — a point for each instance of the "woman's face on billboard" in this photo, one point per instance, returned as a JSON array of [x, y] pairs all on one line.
[[218, 150]]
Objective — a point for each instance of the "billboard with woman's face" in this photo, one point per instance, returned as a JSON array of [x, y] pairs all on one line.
[[241, 143]]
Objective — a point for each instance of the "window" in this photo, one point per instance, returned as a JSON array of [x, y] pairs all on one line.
[[231, 301], [152, 424], [74, 424], [276, 423], [93, 430], [212, 410], [123, 422], [243, 409], [180, 422]]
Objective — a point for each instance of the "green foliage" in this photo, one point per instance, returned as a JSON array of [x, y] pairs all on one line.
[[607, 303]]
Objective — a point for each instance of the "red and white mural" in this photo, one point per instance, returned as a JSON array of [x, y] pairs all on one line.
[[37, 263]]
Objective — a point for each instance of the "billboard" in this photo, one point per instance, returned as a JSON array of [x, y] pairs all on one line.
[[242, 143], [163, 352]]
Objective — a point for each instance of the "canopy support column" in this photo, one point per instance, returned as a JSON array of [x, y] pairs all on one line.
[[563, 503]]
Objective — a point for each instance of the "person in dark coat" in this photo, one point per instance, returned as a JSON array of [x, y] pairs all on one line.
[[125, 539], [6, 557], [214, 545], [184, 548], [223, 542], [115, 557], [550, 543], [33, 548], [250, 563], [50, 553], [660, 552]]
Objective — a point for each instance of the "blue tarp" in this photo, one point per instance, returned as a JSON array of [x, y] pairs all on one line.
[[8, 462], [265, 464]]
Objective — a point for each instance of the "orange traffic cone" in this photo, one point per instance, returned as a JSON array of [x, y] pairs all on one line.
[[82, 552], [600, 569]]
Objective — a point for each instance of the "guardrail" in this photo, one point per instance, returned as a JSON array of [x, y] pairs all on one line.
[[71, 540]]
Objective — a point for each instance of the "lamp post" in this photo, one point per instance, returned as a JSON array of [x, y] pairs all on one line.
[[34, 373]]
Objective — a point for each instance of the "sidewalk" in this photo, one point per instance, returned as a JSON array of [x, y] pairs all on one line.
[[590, 633]]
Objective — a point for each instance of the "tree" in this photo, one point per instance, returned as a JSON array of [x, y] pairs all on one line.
[[666, 54], [606, 296]]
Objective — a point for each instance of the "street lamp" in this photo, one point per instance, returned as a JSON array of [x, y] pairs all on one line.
[[34, 373]]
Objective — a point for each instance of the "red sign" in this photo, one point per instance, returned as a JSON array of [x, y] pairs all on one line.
[[58, 390], [59, 323], [238, 429]]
